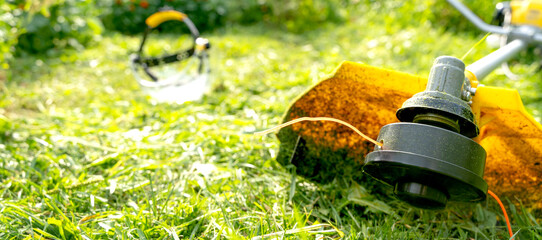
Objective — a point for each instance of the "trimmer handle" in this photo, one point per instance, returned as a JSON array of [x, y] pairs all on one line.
[[167, 15], [528, 34]]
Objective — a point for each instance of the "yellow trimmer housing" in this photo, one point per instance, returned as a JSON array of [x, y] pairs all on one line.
[[526, 12]]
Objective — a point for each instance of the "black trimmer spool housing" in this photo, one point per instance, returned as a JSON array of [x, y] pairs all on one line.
[[429, 157], [428, 166]]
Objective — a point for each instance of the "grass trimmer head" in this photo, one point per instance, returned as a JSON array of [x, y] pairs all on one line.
[[368, 98], [450, 127]]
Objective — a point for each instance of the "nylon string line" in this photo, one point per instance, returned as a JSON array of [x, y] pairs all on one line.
[[503, 211], [314, 119]]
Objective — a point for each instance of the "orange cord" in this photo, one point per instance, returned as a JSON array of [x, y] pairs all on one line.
[[503, 211], [312, 119]]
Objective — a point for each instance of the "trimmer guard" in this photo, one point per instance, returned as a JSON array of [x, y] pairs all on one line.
[[368, 97]]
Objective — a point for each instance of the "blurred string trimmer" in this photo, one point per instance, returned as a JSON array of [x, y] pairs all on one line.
[[177, 77], [449, 126]]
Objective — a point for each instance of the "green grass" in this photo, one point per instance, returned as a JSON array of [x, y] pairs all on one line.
[[85, 155]]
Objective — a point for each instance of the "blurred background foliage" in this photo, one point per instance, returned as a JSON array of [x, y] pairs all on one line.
[[36, 27], [51, 26]]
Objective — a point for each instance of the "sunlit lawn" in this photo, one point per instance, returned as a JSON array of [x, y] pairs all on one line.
[[86, 155]]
